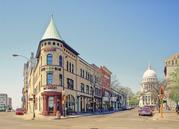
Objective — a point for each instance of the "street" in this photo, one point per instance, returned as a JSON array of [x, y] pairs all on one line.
[[119, 120]]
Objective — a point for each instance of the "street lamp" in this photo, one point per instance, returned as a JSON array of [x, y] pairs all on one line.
[[17, 55]]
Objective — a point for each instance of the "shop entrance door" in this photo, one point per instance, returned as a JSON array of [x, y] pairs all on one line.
[[50, 104]]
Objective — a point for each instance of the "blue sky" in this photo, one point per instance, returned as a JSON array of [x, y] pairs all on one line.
[[123, 35]]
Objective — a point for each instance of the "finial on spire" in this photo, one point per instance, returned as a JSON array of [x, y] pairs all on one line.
[[51, 16]]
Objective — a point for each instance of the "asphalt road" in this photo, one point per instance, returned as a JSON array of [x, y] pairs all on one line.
[[119, 120]]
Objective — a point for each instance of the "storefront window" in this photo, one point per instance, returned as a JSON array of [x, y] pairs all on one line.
[[70, 104]]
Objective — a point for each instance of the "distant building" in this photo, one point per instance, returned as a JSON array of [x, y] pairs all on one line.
[[149, 88], [5, 102], [58, 79], [9, 103]]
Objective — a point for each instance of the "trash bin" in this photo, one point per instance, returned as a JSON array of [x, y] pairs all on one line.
[[58, 115]]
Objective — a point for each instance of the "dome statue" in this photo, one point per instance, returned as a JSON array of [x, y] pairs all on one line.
[[149, 73]]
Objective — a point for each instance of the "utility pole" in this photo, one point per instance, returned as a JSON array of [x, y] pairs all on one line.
[[161, 101]]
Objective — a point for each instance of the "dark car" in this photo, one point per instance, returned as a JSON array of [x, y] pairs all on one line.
[[20, 111], [145, 111], [151, 107]]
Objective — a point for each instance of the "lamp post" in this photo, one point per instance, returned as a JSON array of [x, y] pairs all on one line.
[[63, 101], [63, 91], [17, 55], [33, 117]]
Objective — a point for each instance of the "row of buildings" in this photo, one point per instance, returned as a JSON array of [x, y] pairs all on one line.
[[58, 79], [149, 88], [5, 102]]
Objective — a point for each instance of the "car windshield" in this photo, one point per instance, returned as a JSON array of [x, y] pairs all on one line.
[[146, 108], [19, 109]]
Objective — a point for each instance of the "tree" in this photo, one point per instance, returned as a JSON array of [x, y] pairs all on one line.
[[175, 95], [174, 87], [122, 89], [134, 101]]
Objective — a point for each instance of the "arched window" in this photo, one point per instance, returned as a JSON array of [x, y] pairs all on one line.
[[60, 61], [49, 59]]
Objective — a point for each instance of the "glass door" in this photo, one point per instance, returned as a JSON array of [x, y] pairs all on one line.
[[50, 104]]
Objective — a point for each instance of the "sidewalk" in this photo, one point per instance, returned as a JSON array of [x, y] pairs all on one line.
[[168, 115], [41, 117]]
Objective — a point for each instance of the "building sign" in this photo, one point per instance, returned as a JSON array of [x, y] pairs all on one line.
[[50, 87], [49, 49]]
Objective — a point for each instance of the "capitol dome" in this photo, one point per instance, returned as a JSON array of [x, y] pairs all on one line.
[[149, 73]]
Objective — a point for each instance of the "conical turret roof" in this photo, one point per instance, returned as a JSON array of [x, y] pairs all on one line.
[[51, 31]]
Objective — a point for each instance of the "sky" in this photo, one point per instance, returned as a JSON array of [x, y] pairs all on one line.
[[123, 35]]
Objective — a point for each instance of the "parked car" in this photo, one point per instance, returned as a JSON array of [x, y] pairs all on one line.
[[145, 111], [124, 108], [20, 111], [151, 107]]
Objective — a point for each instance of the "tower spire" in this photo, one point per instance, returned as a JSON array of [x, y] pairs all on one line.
[[51, 31]]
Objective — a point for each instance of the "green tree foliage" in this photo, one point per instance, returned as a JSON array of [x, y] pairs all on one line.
[[174, 88], [175, 95], [134, 101]]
